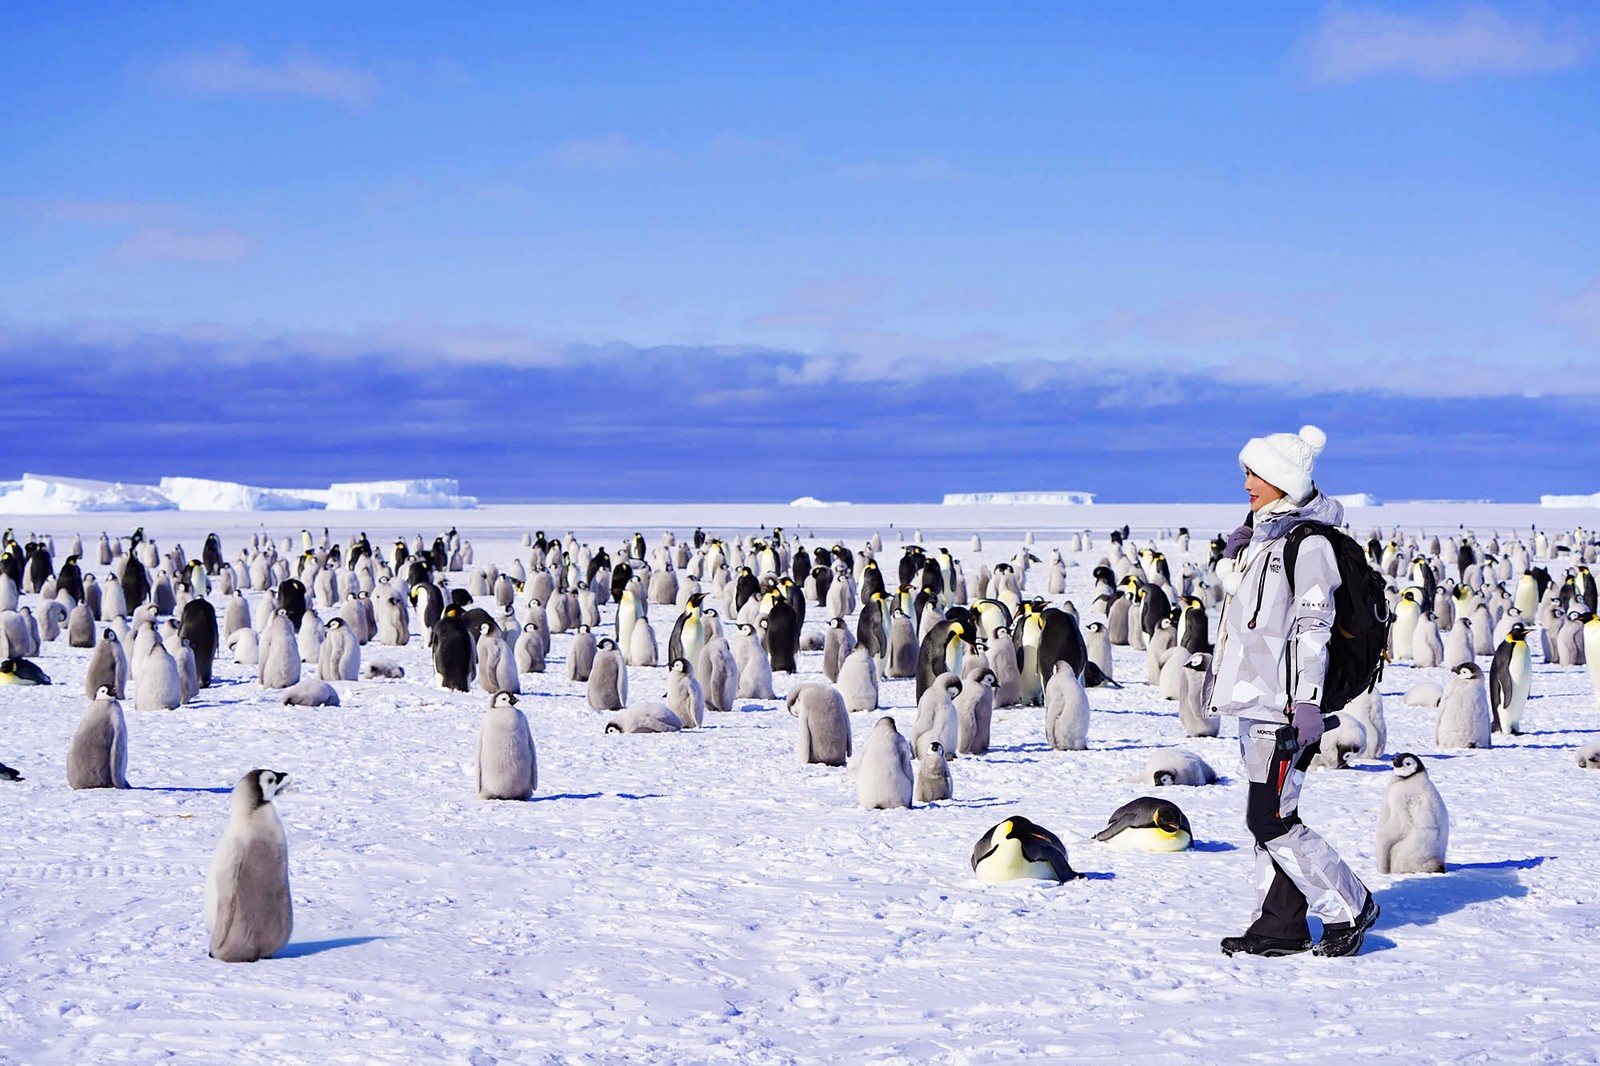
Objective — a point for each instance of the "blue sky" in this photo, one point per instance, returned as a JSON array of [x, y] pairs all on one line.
[[1376, 216]]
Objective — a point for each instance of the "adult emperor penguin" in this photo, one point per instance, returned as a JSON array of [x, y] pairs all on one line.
[[1066, 710], [941, 653], [1591, 652], [883, 771], [1407, 612], [688, 632], [98, 755], [685, 698], [1413, 827], [1147, 824], [858, 681], [1510, 679], [508, 763], [608, 680], [248, 908], [933, 776], [455, 656], [824, 724], [22, 672], [1018, 849], [937, 719]]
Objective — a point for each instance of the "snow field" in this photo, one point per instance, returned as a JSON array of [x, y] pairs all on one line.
[[703, 897]]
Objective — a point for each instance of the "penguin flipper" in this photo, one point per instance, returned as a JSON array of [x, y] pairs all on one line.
[[1041, 845]]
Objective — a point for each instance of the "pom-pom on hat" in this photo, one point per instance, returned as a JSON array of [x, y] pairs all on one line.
[[1285, 459]]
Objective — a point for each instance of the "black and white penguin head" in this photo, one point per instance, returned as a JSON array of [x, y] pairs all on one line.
[[263, 786], [335, 623], [503, 699], [953, 685], [1164, 778], [1407, 764], [679, 665], [530, 627], [986, 679], [103, 693], [1469, 670], [606, 643], [1197, 661], [109, 634]]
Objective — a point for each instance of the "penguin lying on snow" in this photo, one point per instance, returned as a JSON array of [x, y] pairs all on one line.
[[21, 672], [1017, 849], [1588, 756], [1177, 766], [1147, 824], [8, 774], [645, 718]]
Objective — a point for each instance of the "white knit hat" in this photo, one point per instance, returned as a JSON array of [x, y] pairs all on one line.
[[1285, 460]]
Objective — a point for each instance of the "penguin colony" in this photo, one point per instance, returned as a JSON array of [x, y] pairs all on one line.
[[295, 616]]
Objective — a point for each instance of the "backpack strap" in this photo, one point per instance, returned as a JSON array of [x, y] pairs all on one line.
[[1291, 545]]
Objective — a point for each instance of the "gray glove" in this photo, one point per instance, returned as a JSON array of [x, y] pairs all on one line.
[[1308, 723], [1237, 541]]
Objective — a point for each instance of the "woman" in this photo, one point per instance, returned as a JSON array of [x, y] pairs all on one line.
[[1268, 670]]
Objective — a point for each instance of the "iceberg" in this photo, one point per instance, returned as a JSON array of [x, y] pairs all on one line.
[[1036, 499], [1591, 500], [40, 494], [812, 501], [1359, 499]]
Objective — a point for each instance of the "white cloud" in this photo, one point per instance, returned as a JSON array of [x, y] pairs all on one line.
[[1351, 44], [608, 151], [231, 71], [161, 245]]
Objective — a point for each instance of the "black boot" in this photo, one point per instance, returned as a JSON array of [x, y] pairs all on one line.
[[1269, 946], [1344, 938]]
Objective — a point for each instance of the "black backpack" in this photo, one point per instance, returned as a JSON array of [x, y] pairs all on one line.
[[1361, 615]]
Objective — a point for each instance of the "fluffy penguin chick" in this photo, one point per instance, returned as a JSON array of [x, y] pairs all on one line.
[[608, 680], [937, 718], [975, 713], [1017, 849], [1589, 756], [508, 765], [933, 775], [824, 724], [1414, 827], [1192, 711], [1066, 710], [1465, 720], [883, 770], [98, 755], [644, 718], [248, 908], [1177, 766], [1348, 737], [858, 680], [311, 692], [1426, 694], [159, 687], [684, 695]]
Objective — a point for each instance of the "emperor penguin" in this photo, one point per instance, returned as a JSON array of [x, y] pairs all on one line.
[[608, 680], [1097, 642], [644, 718], [1458, 644], [1427, 646], [1193, 714], [858, 680], [1066, 710], [684, 695], [529, 651], [1407, 612], [1017, 849], [937, 719], [1465, 720], [900, 659], [1413, 827], [497, 668], [975, 713], [837, 644], [508, 763], [340, 657], [279, 665], [1007, 674], [719, 675], [311, 692], [755, 669], [98, 755], [108, 667], [1177, 766], [1147, 824], [1161, 641], [824, 724], [248, 908], [580, 656], [158, 687], [933, 776], [1368, 706], [1591, 653], [1345, 737], [883, 770], [1510, 679]]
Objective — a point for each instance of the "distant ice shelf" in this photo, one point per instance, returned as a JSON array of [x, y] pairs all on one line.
[[45, 494], [1038, 499], [1591, 500]]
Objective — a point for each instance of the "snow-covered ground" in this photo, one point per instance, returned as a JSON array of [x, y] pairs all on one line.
[[703, 897]]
